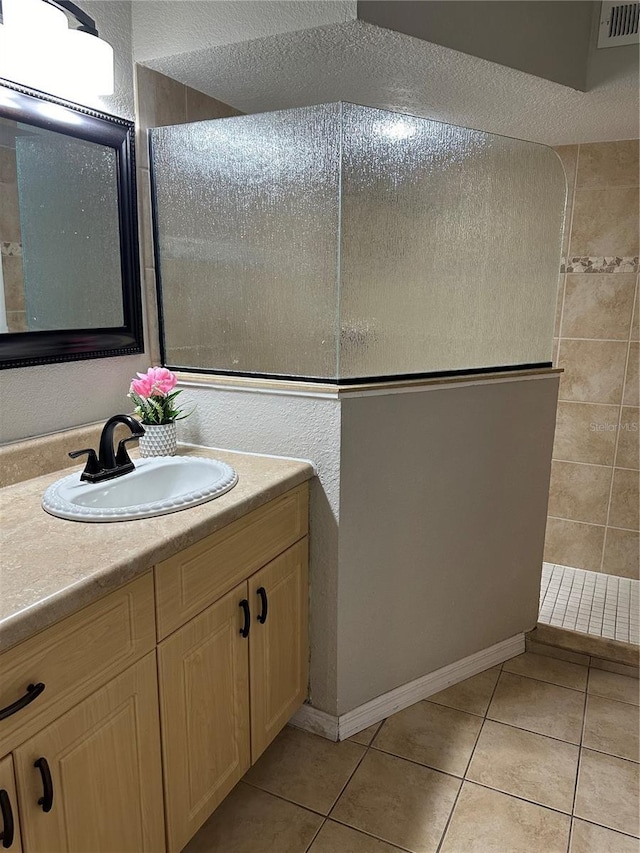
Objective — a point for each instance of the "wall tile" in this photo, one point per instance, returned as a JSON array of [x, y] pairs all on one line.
[[608, 164], [17, 321], [201, 107], [605, 222], [151, 316], [579, 492], [9, 214], [559, 303], [13, 278], [636, 314], [593, 371], [628, 449], [170, 101], [621, 551], [8, 167], [144, 218], [631, 380], [570, 543], [624, 499], [598, 306], [585, 433]]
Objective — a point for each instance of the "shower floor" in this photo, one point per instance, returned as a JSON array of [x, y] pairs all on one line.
[[590, 602]]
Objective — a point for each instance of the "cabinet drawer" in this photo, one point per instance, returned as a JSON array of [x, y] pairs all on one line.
[[75, 657], [192, 580]]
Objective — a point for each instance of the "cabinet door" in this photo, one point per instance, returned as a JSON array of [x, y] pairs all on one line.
[[279, 652], [98, 768], [204, 707], [9, 823]]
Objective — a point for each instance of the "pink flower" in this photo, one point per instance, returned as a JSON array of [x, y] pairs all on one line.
[[157, 381]]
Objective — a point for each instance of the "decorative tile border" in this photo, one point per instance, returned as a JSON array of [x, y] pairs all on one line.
[[599, 265], [10, 248]]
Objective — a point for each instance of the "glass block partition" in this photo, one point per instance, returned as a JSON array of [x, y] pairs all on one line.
[[345, 243]]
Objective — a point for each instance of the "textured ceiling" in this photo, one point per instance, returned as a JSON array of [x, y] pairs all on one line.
[[369, 65], [165, 27]]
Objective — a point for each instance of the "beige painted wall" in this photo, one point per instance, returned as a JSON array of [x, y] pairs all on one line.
[[550, 40], [443, 497], [429, 505], [593, 505]]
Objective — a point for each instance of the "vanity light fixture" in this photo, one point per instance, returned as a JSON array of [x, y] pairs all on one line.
[[39, 49]]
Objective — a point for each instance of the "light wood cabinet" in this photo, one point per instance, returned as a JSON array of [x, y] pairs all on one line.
[[9, 818], [74, 657], [191, 580], [224, 696], [204, 703], [103, 760], [278, 644], [163, 666]]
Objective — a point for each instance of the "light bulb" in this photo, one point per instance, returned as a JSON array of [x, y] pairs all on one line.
[[89, 63]]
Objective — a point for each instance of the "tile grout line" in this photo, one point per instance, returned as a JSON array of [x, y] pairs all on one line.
[[464, 779], [582, 728], [617, 436]]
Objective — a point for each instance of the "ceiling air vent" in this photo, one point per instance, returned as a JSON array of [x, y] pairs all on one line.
[[618, 24]]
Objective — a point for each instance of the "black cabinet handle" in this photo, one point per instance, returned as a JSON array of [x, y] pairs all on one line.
[[244, 631], [262, 593], [46, 800], [33, 691], [6, 836]]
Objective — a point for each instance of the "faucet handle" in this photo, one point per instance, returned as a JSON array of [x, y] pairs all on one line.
[[122, 457], [92, 468]]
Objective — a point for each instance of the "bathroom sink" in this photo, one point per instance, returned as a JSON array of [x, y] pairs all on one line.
[[157, 486]]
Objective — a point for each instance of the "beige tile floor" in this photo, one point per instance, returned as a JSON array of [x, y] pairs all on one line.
[[538, 755]]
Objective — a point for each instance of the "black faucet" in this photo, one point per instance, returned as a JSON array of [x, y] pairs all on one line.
[[107, 464]]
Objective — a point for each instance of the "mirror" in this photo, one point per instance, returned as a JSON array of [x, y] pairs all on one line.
[[69, 272]]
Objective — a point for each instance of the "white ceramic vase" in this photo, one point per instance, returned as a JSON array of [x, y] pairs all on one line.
[[158, 440]]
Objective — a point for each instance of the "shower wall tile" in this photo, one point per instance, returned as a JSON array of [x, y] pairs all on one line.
[[8, 166], [631, 380], [13, 282], [586, 433], [624, 499], [593, 370], [559, 305], [569, 542], [605, 222], [635, 323], [621, 552], [598, 306], [628, 449], [9, 213], [201, 107], [597, 346], [608, 164], [579, 492]]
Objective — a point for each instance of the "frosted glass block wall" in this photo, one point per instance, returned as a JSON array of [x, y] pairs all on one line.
[[341, 242]]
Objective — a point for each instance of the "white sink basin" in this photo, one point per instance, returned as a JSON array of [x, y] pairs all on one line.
[[157, 486]]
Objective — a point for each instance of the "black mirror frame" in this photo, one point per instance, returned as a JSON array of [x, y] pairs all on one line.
[[26, 349]]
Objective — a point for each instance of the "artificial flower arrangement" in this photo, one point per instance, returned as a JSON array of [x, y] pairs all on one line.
[[154, 397]]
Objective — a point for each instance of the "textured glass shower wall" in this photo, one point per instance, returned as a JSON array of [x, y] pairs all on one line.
[[342, 242]]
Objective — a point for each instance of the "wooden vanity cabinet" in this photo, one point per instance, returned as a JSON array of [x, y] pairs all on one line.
[[212, 644], [91, 781], [278, 646], [10, 836], [225, 696]]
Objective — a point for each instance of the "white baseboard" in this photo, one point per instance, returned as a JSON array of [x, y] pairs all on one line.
[[339, 728]]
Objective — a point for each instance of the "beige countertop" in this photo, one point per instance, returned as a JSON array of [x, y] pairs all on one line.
[[50, 567]]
